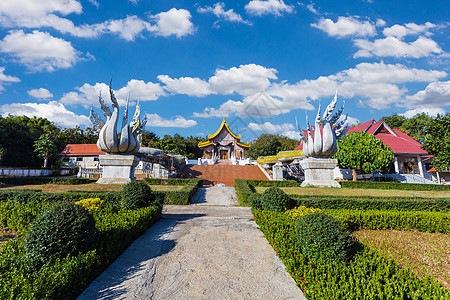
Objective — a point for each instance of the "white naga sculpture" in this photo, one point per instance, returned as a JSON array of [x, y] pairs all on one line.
[[109, 140], [326, 145]]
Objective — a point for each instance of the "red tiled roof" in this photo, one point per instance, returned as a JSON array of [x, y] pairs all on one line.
[[361, 127], [81, 149]]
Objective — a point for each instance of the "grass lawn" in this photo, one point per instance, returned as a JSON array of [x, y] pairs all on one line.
[[422, 252], [6, 235], [359, 192], [58, 188]]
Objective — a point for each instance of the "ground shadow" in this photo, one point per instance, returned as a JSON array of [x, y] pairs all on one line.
[[140, 257]]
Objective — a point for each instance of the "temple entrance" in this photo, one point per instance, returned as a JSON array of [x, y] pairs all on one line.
[[223, 154]]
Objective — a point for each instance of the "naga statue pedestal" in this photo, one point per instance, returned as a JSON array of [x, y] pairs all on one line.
[[319, 172], [118, 168]]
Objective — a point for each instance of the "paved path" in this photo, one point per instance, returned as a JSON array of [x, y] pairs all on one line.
[[207, 250]]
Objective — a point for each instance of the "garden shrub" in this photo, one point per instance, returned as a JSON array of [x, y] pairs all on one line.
[[275, 199], [269, 183], [64, 229], [373, 203], [170, 181], [91, 204], [136, 194], [243, 191], [398, 220], [255, 201], [183, 196], [322, 236], [44, 180], [299, 211], [394, 186]]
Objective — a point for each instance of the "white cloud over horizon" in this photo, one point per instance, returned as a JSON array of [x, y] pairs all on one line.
[[219, 11], [429, 110], [346, 26], [179, 122], [40, 93], [401, 31], [269, 127], [267, 7], [53, 111], [6, 78]]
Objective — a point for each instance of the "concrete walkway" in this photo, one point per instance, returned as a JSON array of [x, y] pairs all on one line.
[[207, 250]]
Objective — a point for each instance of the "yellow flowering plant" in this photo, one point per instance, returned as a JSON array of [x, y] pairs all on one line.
[[91, 204]]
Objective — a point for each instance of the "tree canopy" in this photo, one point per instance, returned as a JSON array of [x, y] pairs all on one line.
[[179, 145], [270, 144], [363, 152], [437, 141], [414, 127]]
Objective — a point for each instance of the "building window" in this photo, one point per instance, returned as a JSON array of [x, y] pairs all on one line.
[[79, 159], [95, 158]]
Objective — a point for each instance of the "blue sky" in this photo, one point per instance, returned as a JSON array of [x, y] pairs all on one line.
[[260, 63]]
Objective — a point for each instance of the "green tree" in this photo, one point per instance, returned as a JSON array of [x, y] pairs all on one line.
[[270, 144], [363, 152], [46, 147], [2, 152], [179, 145], [394, 121], [149, 138], [414, 126], [437, 141]]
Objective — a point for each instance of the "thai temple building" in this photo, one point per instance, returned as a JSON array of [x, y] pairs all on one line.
[[223, 145]]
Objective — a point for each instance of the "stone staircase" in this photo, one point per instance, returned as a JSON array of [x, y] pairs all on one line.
[[222, 173]]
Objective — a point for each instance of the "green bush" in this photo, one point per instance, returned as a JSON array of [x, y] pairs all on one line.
[[372, 203], [368, 275], [243, 191], [275, 199], [183, 196], [393, 186], [64, 229], [170, 181], [44, 180], [322, 236], [269, 183], [255, 201], [136, 194], [399, 220]]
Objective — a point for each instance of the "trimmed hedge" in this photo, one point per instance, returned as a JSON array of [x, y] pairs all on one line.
[[275, 199], [170, 181], [244, 191], [183, 196], [277, 183], [368, 275], [398, 220], [66, 278], [44, 180], [393, 186], [373, 203]]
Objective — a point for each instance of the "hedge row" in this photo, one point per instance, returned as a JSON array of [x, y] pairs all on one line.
[[374, 203], [368, 275], [398, 220], [183, 196], [393, 186], [44, 180], [67, 278], [277, 183], [170, 181], [244, 192]]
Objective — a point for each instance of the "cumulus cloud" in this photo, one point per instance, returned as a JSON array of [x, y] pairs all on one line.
[[173, 22], [244, 80], [429, 110], [39, 51], [53, 111], [269, 127], [154, 120], [40, 93], [274, 7], [226, 15], [377, 85], [6, 78], [346, 26], [436, 93], [392, 46], [291, 134], [400, 31], [87, 94]]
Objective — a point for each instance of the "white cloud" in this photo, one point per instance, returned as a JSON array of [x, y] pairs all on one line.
[[39, 51], [53, 111], [94, 2], [380, 23], [392, 46], [173, 22], [429, 110], [291, 134], [346, 26], [127, 28], [219, 11], [40, 93], [274, 7], [87, 94], [400, 31], [244, 80], [269, 127], [435, 94], [186, 85], [179, 122], [6, 78]]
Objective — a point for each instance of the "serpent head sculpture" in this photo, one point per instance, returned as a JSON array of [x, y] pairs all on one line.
[[109, 139]]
